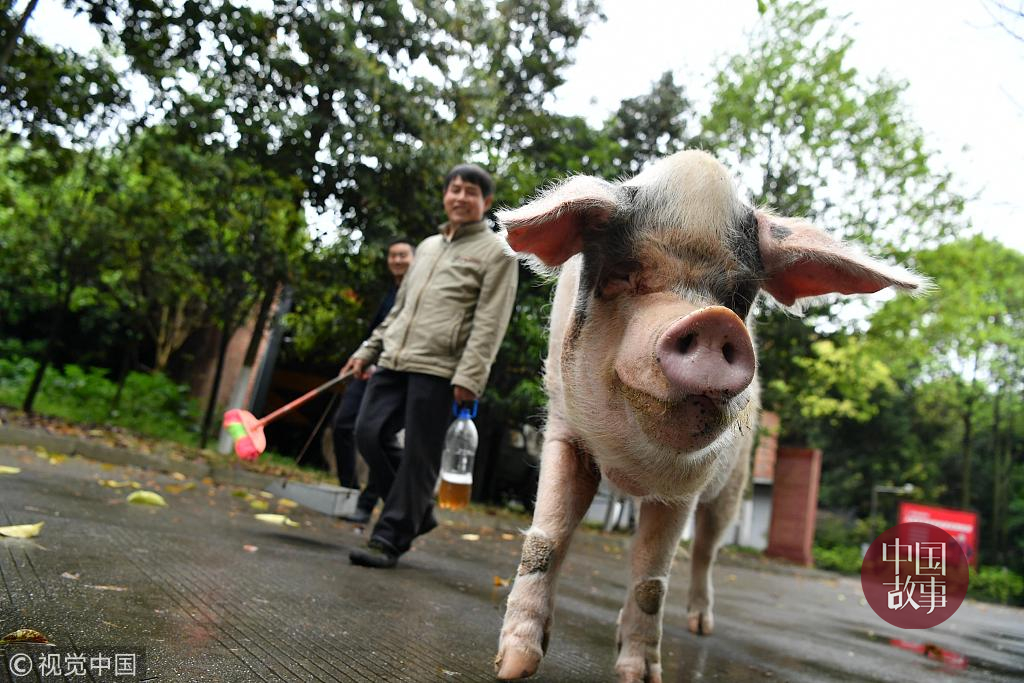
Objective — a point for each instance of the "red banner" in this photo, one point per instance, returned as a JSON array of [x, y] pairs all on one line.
[[960, 524]]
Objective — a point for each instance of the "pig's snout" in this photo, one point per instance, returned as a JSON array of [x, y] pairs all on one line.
[[707, 353]]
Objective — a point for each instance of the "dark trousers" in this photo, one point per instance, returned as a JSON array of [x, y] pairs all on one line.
[[343, 430], [422, 404]]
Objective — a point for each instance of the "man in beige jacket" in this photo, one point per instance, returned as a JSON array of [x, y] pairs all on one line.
[[437, 344]]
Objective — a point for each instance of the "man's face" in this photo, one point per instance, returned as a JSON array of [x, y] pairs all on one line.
[[399, 258], [464, 202]]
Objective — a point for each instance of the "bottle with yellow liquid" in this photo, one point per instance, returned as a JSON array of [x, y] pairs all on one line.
[[457, 461]]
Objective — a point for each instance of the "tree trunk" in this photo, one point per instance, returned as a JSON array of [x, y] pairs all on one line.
[[48, 352], [11, 40], [128, 360], [224, 444], [211, 405], [966, 446], [997, 475]]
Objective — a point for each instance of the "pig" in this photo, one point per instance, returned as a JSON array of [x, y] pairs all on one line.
[[651, 376]]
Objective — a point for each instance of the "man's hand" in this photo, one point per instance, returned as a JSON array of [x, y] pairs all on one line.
[[463, 395], [358, 368]]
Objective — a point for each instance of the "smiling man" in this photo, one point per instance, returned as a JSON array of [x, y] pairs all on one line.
[[437, 343]]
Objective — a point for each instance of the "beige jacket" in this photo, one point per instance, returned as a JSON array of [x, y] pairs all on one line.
[[451, 311]]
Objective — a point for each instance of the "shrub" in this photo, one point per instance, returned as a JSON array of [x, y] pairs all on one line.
[[150, 404], [994, 584], [845, 559]]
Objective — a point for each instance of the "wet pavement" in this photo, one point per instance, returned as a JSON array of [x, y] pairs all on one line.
[[210, 593]]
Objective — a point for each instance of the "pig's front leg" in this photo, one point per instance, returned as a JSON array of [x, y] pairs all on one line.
[[568, 481], [639, 632]]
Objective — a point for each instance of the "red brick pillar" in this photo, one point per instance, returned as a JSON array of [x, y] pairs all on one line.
[[794, 504]]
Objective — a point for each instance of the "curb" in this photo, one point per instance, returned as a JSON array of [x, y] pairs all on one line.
[[226, 474]]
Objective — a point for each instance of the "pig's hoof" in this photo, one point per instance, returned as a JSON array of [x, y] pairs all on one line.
[[641, 671], [511, 664], [701, 622]]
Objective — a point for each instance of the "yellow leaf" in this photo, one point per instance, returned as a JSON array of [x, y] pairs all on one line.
[[508, 537], [22, 530], [174, 488], [23, 635], [276, 519], [259, 505], [178, 476], [286, 503], [5, 469], [147, 498], [470, 537], [110, 483], [57, 459]]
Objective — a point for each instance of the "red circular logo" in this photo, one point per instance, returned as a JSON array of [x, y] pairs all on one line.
[[914, 575]]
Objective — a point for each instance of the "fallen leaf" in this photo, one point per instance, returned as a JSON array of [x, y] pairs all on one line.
[[508, 537], [470, 537], [286, 503], [259, 505], [174, 489], [69, 575], [57, 459], [240, 493], [249, 548], [117, 589], [276, 519], [22, 530], [266, 494], [498, 581], [112, 484], [6, 469], [23, 635], [147, 498], [178, 476]]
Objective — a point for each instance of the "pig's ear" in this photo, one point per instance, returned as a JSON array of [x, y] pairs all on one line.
[[552, 226], [802, 261]]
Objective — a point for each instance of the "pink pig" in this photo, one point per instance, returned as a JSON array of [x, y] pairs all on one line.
[[651, 375]]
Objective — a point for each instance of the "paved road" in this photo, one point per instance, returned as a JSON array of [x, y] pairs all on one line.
[[179, 583]]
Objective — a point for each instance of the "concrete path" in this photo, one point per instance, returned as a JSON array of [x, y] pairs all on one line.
[[209, 593]]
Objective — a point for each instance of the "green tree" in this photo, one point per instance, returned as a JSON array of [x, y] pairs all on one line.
[[829, 143], [54, 238], [969, 333]]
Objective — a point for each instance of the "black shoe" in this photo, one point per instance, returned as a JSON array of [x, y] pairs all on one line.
[[376, 554], [358, 517]]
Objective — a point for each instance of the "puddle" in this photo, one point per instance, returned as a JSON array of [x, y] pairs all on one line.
[[949, 659], [953, 660]]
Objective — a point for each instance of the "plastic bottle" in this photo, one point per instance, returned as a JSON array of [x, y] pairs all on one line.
[[457, 461]]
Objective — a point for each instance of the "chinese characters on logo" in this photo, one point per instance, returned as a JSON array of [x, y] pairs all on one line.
[[914, 575]]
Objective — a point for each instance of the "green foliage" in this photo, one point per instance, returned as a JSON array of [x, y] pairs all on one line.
[[838, 383], [845, 559], [836, 531], [150, 404], [993, 584]]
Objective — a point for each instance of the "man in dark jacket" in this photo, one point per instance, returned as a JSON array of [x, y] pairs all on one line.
[[438, 343], [400, 256]]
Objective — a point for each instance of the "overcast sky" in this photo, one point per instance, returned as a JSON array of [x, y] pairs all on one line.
[[965, 75]]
